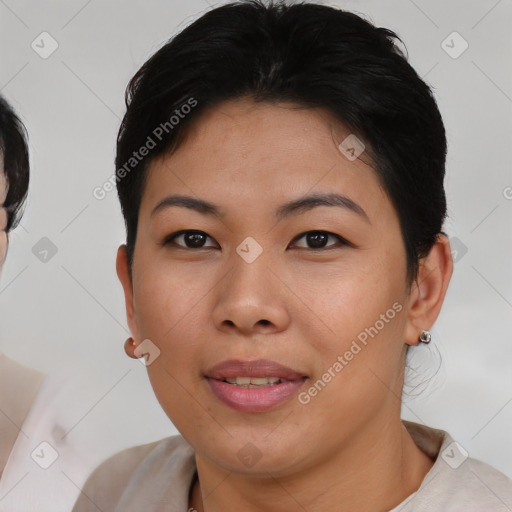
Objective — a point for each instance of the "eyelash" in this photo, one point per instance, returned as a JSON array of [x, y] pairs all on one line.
[[170, 240]]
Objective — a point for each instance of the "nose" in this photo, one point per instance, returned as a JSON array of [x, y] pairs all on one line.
[[251, 299]]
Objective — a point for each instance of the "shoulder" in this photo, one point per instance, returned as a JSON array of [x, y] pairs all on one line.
[[25, 380], [135, 467], [474, 485], [456, 482], [15, 406]]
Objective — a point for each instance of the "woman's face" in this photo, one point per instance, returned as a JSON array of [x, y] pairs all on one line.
[[272, 284]]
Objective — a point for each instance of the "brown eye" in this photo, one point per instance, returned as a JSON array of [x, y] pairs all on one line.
[[189, 239], [318, 239]]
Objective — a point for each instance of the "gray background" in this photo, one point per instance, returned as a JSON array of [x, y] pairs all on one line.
[[67, 313]]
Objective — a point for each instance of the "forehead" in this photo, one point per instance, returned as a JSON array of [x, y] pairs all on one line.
[[252, 151], [241, 120]]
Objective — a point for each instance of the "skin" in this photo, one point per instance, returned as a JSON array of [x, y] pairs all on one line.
[[8, 441], [3, 212], [347, 446]]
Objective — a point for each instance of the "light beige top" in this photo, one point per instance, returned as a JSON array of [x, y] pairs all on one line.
[[19, 386], [158, 476], [44, 459]]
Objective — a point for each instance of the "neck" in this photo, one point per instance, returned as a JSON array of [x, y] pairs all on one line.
[[376, 472]]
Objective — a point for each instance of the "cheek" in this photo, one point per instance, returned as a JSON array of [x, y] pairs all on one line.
[[170, 307], [3, 219], [168, 312], [163, 296], [3, 235], [3, 246], [354, 334], [344, 300]]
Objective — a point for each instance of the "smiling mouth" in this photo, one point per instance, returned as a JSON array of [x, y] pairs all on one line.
[[254, 386], [259, 372], [265, 394], [254, 382]]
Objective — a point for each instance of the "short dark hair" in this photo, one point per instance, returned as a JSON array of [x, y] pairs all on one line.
[[309, 54], [14, 150]]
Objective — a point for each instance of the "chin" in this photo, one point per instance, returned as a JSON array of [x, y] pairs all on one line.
[[253, 454]]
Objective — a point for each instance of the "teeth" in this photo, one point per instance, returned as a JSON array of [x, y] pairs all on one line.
[[254, 382], [262, 381]]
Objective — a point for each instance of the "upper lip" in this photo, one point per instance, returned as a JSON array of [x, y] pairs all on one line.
[[256, 368]]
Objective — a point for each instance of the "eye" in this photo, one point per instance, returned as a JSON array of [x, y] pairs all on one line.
[[318, 239], [191, 239]]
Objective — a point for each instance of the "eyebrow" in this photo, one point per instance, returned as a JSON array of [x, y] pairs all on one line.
[[295, 207]]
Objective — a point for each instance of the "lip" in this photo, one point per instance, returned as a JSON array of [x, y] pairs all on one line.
[[253, 399], [256, 368]]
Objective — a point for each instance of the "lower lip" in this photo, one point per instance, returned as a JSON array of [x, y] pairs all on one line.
[[254, 399]]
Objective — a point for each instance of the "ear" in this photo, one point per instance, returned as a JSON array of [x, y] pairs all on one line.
[[429, 289], [123, 273]]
